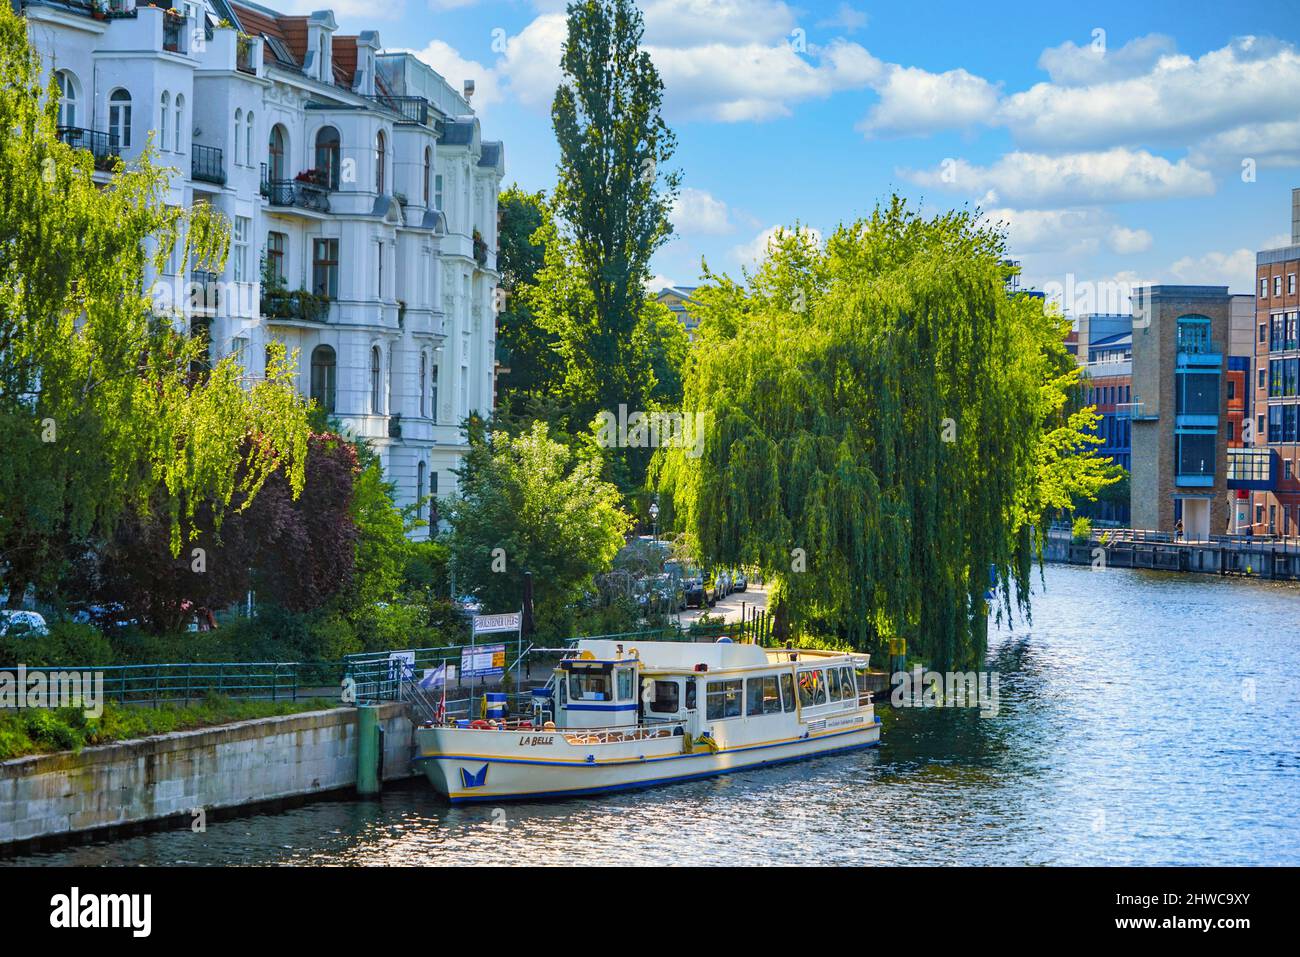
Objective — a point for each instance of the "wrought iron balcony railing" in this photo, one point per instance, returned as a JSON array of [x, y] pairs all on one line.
[[207, 164], [103, 146], [412, 109]]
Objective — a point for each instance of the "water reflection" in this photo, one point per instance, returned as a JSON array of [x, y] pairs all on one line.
[[1143, 719]]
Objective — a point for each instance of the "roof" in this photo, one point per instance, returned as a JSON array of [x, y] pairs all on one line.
[[683, 292], [458, 131], [491, 154], [677, 655]]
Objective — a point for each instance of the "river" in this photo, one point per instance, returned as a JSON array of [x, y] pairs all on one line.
[[1143, 718]]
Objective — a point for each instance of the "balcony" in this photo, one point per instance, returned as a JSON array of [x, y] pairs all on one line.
[[244, 48], [102, 146], [412, 109], [304, 191], [1135, 412], [298, 305], [173, 32], [207, 164]]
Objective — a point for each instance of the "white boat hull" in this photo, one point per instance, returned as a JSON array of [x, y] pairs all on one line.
[[474, 765]]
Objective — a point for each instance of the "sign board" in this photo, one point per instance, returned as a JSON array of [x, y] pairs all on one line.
[[483, 661], [401, 665], [494, 624]]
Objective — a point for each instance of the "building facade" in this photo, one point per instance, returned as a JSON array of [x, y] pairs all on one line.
[[361, 196], [1275, 491]]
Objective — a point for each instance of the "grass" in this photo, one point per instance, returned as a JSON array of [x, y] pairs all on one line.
[[45, 730]]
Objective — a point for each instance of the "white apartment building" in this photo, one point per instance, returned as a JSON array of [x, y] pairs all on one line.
[[356, 182]]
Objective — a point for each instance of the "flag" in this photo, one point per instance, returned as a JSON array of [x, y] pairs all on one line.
[[434, 677]]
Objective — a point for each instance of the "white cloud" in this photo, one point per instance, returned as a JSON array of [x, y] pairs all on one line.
[[455, 69], [1033, 179], [755, 251], [1267, 144], [1236, 269], [1072, 232], [692, 23], [1251, 80], [1127, 241], [697, 212], [1071, 65], [916, 102], [657, 282], [531, 63], [846, 18]]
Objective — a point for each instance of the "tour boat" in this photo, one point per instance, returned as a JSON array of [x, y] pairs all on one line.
[[617, 717]]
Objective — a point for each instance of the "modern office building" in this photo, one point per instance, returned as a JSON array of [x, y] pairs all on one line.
[[1182, 419], [1274, 464], [361, 196]]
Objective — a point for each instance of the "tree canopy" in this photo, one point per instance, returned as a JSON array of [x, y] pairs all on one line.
[[99, 408], [885, 426]]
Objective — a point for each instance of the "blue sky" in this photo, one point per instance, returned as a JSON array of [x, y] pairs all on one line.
[[1111, 140]]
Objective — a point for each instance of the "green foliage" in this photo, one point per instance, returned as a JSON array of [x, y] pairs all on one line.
[[548, 512], [98, 407], [37, 731], [884, 415], [66, 643], [382, 546], [1081, 530]]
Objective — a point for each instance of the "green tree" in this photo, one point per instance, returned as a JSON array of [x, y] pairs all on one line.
[[612, 198], [528, 350], [884, 425], [528, 504], [99, 410]]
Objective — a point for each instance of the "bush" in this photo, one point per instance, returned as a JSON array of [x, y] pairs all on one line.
[[68, 643], [1082, 529]]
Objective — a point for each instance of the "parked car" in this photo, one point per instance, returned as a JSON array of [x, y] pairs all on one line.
[[700, 588], [20, 624], [740, 583]]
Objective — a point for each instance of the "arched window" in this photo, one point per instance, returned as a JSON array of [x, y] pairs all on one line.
[[376, 396], [424, 369], [276, 153], [239, 125], [381, 151], [248, 140], [119, 119], [180, 121], [327, 156], [67, 98], [428, 174], [164, 121], [324, 365]]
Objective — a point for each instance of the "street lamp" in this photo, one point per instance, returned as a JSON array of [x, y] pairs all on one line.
[[654, 517]]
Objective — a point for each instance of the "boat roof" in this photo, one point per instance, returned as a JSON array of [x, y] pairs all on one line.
[[685, 655]]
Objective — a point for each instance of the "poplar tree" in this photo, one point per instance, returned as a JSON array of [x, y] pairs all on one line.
[[886, 429], [99, 409]]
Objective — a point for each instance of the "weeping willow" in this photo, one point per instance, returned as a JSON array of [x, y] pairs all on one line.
[[886, 429]]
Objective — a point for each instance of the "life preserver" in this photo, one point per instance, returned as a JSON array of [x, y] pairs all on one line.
[[632, 652], [587, 655], [479, 723]]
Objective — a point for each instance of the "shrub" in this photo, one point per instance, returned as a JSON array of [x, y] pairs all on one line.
[[1082, 529]]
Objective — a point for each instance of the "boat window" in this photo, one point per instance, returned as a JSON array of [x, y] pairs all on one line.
[[723, 699], [847, 688], [762, 696], [589, 686], [667, 697], [690, 694], [833, 683], [625, 684], [812, 688], [787, 691]]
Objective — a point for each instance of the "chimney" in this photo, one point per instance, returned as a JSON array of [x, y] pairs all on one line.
[[1295, 217], [469, 93]]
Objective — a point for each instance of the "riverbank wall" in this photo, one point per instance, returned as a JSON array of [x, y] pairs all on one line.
[[172, 776], [1266, 560]]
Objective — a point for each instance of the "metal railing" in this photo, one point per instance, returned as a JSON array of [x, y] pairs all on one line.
[[295, 192], [412, 109], [101, 145], [186, 682], [206, 164]]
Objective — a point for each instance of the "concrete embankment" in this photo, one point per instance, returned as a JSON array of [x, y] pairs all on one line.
[[172, 775]]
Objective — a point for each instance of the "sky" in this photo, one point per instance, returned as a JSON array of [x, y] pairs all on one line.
[[1126, 142]]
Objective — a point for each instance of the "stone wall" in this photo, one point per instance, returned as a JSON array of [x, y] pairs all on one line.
[[172, 774]]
